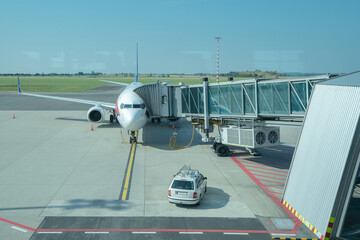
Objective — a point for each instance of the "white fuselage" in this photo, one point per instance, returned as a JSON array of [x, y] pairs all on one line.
[[130, 109]]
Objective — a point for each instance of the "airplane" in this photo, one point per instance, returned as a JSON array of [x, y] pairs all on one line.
[[129, 110]]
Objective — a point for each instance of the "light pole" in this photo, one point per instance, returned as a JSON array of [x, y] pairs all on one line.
[[217, 59]]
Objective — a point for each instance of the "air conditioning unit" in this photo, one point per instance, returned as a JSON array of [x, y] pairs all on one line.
[[257, 137]]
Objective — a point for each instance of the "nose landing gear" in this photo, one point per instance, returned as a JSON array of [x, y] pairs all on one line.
[[133, 137]]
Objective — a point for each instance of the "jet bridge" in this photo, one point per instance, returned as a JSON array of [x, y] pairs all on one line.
[[239, 108], [253, 98]]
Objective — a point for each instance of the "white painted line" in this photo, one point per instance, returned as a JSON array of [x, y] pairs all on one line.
[[283, 235], [235, 233], [49, 232], [19, 229], [143, 232], [190, 232], [96, 232]]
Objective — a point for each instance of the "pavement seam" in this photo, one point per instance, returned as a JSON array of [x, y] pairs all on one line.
[[65, 180]]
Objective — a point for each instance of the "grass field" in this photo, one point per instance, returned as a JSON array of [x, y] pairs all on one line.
[[81, 83]]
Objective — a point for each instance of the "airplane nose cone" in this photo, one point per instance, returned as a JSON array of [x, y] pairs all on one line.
[[132, 121]]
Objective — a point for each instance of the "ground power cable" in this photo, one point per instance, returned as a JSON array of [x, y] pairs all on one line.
[[172, 142]]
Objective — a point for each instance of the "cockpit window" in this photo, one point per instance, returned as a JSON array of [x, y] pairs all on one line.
[[142, 105]]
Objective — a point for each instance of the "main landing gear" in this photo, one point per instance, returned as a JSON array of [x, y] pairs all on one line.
[[112, 117], [132, 137]]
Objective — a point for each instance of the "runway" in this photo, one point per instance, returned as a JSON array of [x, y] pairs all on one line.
[[60, 180]]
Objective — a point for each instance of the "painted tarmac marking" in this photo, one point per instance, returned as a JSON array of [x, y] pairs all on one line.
[[96, 232], [124, 194], [263, 180], [283, 179], [190, 232], [271, 186], [275, 192], [271, 195], [49, 232], [17, 224], [233, 233], [283, 235], [263, 167], [281, 175], [19, 229], [146, 231]]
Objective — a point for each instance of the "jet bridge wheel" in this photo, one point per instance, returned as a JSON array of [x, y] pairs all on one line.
[[111, 118], [222, 150], [215, 144]]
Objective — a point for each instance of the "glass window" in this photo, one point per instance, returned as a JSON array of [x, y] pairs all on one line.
[[187, 185], [127, 106], [136, 105], [273, 98], [122, 106], [142, 105], [298, 97], [249, 98]]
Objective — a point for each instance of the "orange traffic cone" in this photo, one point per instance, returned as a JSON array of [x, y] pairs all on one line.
[[13, 115], [173, 127], [92, 128]]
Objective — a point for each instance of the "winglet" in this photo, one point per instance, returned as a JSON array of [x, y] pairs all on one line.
[[137, 65], [19, 89]]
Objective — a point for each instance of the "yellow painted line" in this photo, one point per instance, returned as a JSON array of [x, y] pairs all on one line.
[[128, 171]]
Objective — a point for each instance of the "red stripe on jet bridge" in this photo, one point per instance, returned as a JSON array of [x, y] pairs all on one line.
[[272, 196]]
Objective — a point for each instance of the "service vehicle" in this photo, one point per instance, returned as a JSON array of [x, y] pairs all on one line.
[[187, 187]]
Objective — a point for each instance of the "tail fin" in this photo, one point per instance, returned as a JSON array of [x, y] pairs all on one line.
[[19, 89], [137, 65]]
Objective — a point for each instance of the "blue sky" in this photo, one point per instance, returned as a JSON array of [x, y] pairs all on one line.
[[177, 36]]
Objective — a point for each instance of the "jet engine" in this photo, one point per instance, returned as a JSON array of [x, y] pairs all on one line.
[[96, 114]]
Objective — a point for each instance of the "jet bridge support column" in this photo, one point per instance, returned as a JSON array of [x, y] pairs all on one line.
[[206, 108]]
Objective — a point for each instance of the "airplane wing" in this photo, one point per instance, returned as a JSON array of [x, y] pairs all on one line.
[[118, 83], [90, 102]]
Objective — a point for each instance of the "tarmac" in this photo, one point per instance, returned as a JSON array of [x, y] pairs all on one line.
[[60, 180]]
